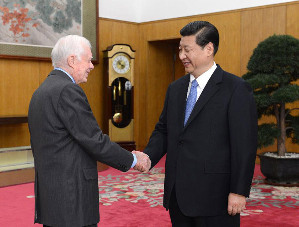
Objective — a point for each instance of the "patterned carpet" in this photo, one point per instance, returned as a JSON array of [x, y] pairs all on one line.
[[135, 200], [267, 206], [263, 195], [133, 187]]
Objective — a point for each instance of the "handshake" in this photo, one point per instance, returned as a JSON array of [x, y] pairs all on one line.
[[143, 162]]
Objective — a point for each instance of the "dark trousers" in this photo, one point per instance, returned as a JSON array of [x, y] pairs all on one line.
[[178, 219]]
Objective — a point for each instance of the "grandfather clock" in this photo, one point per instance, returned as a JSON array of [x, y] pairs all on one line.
[[119, 70]]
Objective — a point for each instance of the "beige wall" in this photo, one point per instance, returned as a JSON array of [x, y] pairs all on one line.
[[155, 44]]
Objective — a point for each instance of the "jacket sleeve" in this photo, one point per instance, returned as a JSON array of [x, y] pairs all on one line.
[[242, 116], [157, 145], [75, 113]]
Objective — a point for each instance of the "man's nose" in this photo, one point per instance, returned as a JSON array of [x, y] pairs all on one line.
[[182, 55]]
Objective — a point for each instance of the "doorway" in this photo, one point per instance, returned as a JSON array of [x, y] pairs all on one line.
[[163, 67]]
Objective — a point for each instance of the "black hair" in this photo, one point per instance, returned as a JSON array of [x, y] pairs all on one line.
[[205, 32]]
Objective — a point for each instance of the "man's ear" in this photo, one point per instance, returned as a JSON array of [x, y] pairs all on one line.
[[210, 48], [71, 60]]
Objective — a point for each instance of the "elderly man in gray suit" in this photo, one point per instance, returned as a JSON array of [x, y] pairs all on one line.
[[67, 142]]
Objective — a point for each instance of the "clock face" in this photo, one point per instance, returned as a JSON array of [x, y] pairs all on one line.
[[121, 64]]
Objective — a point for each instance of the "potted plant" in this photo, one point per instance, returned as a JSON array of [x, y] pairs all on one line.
[[273, 70]]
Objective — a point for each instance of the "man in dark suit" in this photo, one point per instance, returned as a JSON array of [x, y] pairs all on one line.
[[67, 142], [208, 128]]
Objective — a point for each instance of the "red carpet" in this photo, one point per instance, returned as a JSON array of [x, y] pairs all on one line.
[[133, 200], [271, 205]]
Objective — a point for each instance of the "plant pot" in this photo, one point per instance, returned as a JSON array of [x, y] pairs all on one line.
[[280, 171]]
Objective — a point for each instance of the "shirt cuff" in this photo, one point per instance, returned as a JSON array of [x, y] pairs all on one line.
[[135, 161]]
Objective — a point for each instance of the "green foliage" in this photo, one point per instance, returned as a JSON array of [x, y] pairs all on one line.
[[279, 55], [293, 130], [287, 94], [263, 100], [267, 133], [272, 70], [261, 80]]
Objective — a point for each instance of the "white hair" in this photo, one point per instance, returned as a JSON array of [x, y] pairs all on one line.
[[66, 46]]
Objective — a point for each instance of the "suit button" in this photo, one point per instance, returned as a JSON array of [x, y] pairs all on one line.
[[180, 142]]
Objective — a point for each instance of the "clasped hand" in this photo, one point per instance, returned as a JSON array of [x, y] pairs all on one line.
[[143, 162]]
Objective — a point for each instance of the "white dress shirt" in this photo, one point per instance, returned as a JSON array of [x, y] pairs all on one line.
[[202, 80]]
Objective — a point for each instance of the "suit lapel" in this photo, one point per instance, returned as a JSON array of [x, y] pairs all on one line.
[[210, 89], [182, 93]]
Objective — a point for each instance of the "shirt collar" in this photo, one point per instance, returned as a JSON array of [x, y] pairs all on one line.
[[60, 69], [203, 79]]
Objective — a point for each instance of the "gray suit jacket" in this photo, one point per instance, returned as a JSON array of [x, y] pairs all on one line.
[[67, 143]]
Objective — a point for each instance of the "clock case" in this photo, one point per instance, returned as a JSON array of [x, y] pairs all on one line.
[[119, 102]]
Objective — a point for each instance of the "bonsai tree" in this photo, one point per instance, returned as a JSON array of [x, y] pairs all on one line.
[[273, 70]]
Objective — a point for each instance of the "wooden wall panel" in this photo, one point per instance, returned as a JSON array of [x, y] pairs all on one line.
[[141, 90], [18, 81], [14, 135], [292, 22], [293, 29], [160, 54], [157, 69], [228, 25], [94, 92], [44, 69], [17, 177], [240, 32], [164, 30], [228, 55], [257, 25]]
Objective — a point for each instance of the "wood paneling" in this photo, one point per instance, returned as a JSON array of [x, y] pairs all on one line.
[[292, 19], [18, 81], [257, 25], [293, 29], [160, 67], [44, 69], [141, 91], [240, 32], [228, 55], [17, 177], [228, 25], [14, 135]]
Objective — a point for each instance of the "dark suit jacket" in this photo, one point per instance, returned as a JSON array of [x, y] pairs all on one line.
[[66, 142], [214, 154]]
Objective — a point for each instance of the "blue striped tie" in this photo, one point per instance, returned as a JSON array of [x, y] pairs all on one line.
[[191, 100]]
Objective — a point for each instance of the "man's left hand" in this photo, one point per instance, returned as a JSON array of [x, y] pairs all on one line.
[[236, 203]]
